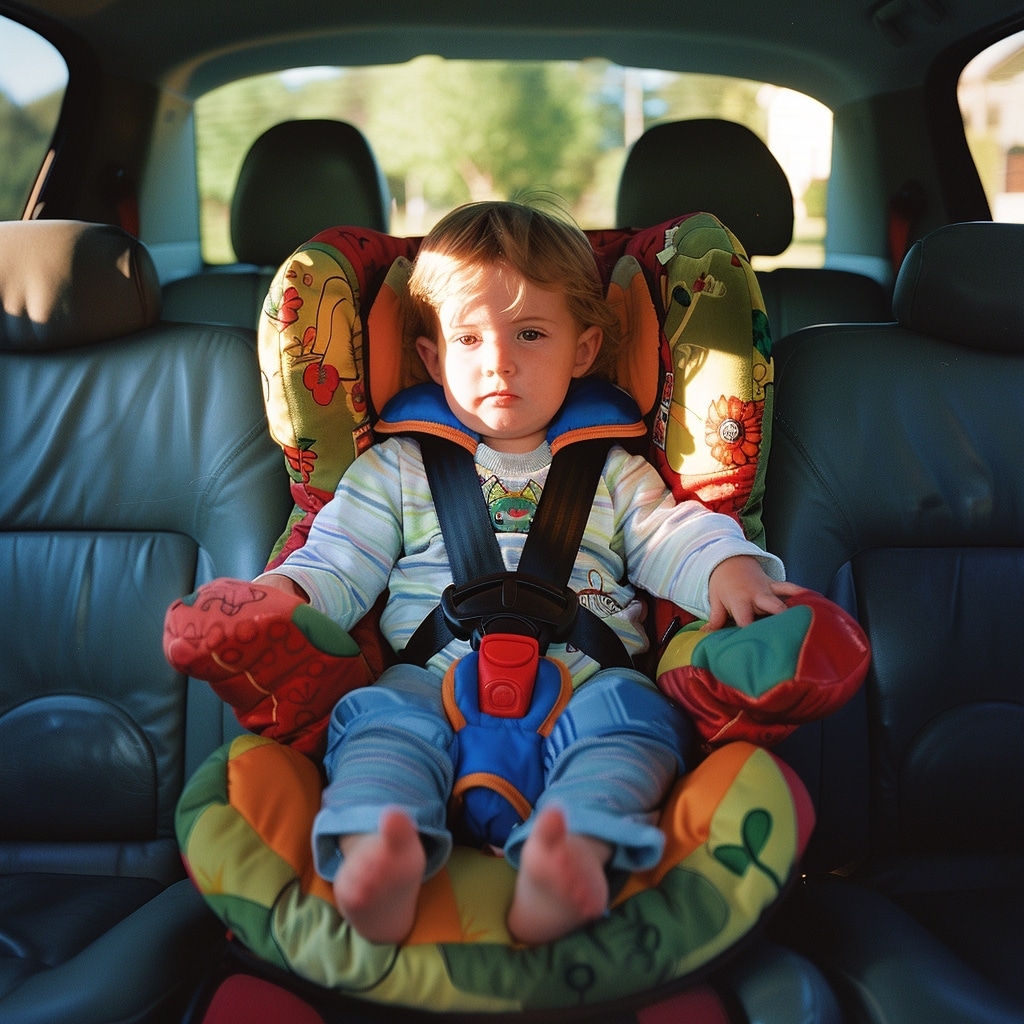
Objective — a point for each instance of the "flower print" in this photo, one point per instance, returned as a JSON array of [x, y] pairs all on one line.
[[733, 430], [288, 310], [322, 380], [357, 396], [300, 460]]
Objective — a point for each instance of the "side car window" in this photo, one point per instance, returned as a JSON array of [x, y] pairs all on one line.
[[991, 95], [33, 77]]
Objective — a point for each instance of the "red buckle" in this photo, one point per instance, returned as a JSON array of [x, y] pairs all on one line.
[[507, 672]]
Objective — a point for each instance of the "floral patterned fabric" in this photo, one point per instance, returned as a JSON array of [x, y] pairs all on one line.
[[697, 359], [736, 827]]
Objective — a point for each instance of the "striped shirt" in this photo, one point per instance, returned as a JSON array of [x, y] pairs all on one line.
[[380, 532]]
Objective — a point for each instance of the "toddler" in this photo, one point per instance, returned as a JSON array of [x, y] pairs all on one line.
[[509, 311]]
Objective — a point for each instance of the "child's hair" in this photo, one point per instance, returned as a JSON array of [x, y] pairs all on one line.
[[542, 247]]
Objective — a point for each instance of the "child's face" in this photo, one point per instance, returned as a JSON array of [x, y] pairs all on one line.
[[505, 357]]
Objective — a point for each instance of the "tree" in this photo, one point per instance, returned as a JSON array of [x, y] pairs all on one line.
[[25, 134], [686, 96], [459, 130]]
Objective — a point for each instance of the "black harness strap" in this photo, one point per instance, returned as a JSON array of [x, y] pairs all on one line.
[[465, 522], [461, 510], [557, 528], [549, 552], [555, 536]]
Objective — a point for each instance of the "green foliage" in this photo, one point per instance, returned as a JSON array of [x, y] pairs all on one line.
[[25, 134], [459, 130], [691, 95], [447, 132], [816, 197], [444, 132]]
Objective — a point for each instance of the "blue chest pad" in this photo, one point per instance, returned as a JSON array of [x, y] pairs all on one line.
[[499, 759]]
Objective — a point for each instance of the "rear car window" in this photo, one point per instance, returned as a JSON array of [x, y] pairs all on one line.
[[991, 95], [33, 77], [446, 132]]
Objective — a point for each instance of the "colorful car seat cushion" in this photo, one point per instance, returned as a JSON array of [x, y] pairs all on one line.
[[697, 362]]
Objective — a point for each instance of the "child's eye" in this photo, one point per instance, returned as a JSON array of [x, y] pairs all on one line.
[[531, 334], [465, 339]]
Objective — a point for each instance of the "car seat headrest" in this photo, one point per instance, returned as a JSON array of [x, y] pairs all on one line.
[[953, 285], [298, 178], [713, 165], [69, 283]]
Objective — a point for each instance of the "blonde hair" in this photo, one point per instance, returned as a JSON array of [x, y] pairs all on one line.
[[542, 247]]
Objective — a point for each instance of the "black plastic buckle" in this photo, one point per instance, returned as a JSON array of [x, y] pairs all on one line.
[[510, 602]]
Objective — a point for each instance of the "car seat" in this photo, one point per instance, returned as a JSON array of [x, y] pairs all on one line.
[[330, 345], [136, 464], [296, 177], [721, 166], [897, 485]]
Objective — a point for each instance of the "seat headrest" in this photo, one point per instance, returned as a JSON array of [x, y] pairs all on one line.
[[712, 165], [964, 283], [69, 283], [298, 178]]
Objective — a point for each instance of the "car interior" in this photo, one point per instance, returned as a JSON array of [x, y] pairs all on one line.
[[139, 464], [343, 184]]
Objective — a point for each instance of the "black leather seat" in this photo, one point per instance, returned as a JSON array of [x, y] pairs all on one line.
[[298, 178], [137, 464], [896, 484], [724, 168]]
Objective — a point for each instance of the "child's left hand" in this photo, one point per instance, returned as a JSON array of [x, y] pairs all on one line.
[[740, 590]]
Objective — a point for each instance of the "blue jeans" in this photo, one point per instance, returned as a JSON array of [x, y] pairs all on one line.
[[608, 763]]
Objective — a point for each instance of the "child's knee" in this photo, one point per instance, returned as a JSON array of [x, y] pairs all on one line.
[[406, 698], [615, 703]]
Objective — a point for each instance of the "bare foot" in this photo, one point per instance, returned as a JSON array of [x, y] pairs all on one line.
[[561, 882], [379, 880]]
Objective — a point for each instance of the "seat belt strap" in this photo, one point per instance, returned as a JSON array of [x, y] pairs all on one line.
[[465, 520], [551, 546], [557, 529], [556, 532], [466, 527]]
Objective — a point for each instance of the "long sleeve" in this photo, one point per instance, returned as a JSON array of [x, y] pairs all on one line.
[[356, 538], [672, 548], [381, 532]]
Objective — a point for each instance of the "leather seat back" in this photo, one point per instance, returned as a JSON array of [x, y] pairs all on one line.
[[136, 465], [896, 483], [724, 168], [297, 178]]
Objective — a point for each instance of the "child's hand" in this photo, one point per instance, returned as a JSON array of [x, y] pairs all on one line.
[[739, 589]]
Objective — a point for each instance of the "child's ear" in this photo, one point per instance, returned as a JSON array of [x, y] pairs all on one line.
[[587, 346], [427, 349]]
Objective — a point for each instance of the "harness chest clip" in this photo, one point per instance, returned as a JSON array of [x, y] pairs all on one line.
[[507, 672]]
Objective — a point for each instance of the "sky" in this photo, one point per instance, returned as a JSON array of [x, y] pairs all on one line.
[[29, 66]]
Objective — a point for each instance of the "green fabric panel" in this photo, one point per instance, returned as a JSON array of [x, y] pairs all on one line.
[[757, 658], [648, 936], [207, 786], [324, 634]]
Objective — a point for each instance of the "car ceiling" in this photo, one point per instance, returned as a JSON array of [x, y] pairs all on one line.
[[838, 51]]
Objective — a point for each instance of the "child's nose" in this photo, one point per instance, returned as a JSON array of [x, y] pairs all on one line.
[[499, 357]]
